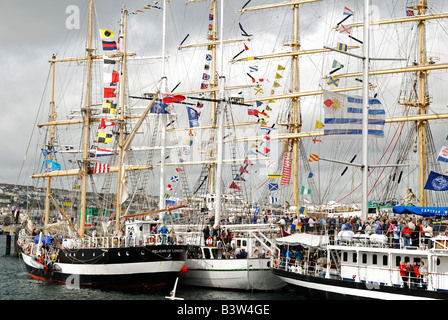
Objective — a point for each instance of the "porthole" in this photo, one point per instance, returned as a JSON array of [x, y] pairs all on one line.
[[119, 254]]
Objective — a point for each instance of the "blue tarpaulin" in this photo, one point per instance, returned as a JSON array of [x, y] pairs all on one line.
[[45, 239], [422, 211]]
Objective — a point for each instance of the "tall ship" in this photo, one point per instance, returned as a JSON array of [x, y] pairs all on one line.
[[89, 236], [393, 245]]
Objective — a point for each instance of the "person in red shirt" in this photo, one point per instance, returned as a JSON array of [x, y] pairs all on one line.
[[415, 276], [406, 234], [403, 274]]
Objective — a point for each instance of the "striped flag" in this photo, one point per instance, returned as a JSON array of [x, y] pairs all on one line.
[[286, 173], [343, 116], [305, 190], [101, 168], [348, 12], [341, 46], [313, 157]]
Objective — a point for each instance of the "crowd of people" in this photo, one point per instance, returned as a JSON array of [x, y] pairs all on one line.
[[413, 276], [409, 231]]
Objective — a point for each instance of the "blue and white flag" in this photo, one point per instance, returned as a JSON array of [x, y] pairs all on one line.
[[273, 200], [273, 186], [436, 182], [443, 155], [193, 117], [343, 116], [174, 179], [159, 108]]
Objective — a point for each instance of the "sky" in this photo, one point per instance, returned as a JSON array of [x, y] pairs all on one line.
[[33, 31]]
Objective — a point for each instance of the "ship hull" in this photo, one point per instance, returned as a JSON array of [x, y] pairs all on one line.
[[145, 267], [231, 274], [317, 287]]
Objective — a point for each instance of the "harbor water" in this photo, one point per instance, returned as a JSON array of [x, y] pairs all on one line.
[[15, 284]]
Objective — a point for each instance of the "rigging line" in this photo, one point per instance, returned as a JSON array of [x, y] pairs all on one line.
[[392, 152], [371, 171], [34, 127]]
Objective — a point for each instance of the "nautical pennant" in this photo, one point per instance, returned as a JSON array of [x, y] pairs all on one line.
[[107, 40], [333, 81], [193, 117], [443, 154], [109, 93], [101, 168], [169, 98], [101, 152], [286, 173], [258, 91], [337, 64], [348, 12], [51, 166], [109, 107], [345, 29], [313, 157], [105, 123], [341, 46], [106, 34], [104, 137], [46, 152], [305, 190], [234, 186], [436, 182], [159, 108]]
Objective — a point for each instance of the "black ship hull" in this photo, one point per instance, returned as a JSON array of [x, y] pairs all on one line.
[[145, 267]]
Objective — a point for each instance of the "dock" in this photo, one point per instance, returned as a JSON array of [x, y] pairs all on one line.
[[12, 233]]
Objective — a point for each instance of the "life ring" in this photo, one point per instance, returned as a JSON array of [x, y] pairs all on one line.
[[275, 262], [180, 239], [209, 241]]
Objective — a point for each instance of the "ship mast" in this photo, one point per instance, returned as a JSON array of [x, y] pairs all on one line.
[[295, 110], [365, 110], [50, 147], [423, 104], [121, 151], [86, 125], [296, 125]]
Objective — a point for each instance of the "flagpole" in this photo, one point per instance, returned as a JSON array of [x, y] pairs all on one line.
[[365, 116]]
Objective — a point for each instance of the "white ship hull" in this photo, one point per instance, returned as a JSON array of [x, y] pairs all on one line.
[[233, 274]]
